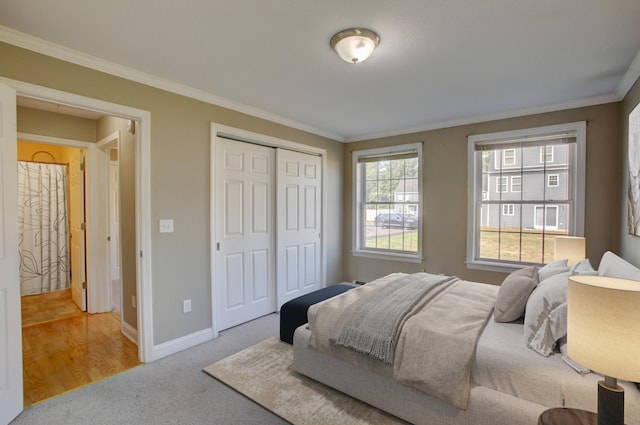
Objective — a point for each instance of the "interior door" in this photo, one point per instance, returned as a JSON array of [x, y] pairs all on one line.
[[299, 200], [114, 226], [78, 265], [10, 320], [244, 230]]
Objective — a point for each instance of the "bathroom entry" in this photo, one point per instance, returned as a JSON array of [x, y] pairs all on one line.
[[51, 217]]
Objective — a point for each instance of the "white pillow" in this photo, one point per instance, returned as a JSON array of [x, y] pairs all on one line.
[[553, 268], [545, 317], [583, 267], [613, 266]]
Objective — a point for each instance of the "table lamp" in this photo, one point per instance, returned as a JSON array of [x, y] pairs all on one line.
[[603, 334], [570, 247]]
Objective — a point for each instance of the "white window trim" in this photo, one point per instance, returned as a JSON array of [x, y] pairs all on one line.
[[557, 176], [499, 184], [510, 208], [355, 206], [504, 158], [516, 177], [476, 189], [543, 154]]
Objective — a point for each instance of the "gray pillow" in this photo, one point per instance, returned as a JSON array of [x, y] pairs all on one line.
[[513, 294], [553, 268]]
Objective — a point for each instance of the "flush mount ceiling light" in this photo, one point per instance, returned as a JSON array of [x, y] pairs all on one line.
[[355, 44]]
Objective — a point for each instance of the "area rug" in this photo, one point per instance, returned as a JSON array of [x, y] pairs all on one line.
[[263, 373]]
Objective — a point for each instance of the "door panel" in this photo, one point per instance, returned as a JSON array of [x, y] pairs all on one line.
[[78, 268], [114, 220], [298, 238], [10, 320], [244, 220]]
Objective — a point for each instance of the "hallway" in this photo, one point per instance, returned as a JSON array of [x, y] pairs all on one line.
[[64, 353]]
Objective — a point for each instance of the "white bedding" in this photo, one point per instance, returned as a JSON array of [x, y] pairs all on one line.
[[504, 363]]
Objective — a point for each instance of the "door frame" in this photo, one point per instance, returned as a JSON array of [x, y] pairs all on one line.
[[92, 307], [96, 200], [220, 130]]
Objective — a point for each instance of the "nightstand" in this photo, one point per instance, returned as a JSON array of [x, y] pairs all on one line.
[[567, 416]]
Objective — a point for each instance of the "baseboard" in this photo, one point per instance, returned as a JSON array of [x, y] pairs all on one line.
[[130, 332], [176, 345]]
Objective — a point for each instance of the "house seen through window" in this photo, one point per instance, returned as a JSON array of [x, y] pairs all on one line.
[[514, 224], [387, 205]]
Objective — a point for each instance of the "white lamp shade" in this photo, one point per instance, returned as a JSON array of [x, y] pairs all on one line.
[[570, 247], [603, 325], [355, 45]]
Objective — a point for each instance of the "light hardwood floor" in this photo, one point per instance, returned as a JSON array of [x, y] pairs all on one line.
[[62, 354]]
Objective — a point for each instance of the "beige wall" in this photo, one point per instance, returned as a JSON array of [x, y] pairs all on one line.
[[56, 125], [445, 192], [180, 170], [629, 244]]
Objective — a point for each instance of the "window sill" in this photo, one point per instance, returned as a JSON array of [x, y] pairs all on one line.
[[407, 258], [494, 266]]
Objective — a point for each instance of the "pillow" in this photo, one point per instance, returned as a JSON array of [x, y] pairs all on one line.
[[545, 317], [513, 294], [583, 267], [559, 266], [613, 266]]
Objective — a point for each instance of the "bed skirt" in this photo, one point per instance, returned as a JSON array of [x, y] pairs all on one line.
[[486, 406]]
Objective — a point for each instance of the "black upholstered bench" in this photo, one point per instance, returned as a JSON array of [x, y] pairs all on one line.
[[294, 313]]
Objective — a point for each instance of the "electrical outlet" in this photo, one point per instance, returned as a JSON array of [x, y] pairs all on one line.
[[133, 301], [186, 306]]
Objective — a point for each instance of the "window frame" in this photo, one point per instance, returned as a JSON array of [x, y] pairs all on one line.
[[544, 153], [519, 184], [504, 158], [577, 173], [510, 209], [357, 205], [502, 181], [557, 178]]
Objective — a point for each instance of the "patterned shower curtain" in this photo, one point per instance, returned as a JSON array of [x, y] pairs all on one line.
[[43, 227]]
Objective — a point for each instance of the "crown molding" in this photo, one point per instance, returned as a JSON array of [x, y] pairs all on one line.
[[578, 103], [38, 45], [630, 77]]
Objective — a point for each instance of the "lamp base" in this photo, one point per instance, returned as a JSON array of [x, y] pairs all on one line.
[[610, 404]]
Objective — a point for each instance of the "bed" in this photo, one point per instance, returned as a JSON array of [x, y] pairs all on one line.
[[512, 376]]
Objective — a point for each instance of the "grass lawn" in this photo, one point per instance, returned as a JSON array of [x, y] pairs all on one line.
[[503, 244], [397, 242]]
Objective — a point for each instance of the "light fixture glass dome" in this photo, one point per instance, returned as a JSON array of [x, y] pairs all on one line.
[[354, 45]]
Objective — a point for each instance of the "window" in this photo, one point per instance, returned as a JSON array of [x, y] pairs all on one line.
[[516, 184], [546, 154], [509, 157], [516, 228], [502, 184], [507, 209], [387, 203]]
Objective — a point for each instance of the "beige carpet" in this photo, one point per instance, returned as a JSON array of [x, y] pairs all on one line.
[[263, 373]]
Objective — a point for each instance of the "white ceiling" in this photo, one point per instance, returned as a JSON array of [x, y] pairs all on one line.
[[439, 62]]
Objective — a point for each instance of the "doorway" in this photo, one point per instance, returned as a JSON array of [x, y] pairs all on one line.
[[11, 358], [51, 213]]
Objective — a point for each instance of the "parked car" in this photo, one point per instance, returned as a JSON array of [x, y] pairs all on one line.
[[395, 220]]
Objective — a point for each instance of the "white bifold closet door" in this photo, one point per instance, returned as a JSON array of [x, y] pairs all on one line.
[[267, 209], [299, 195]]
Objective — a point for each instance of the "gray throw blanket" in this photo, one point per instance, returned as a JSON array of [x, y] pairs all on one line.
[[371, 325]]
